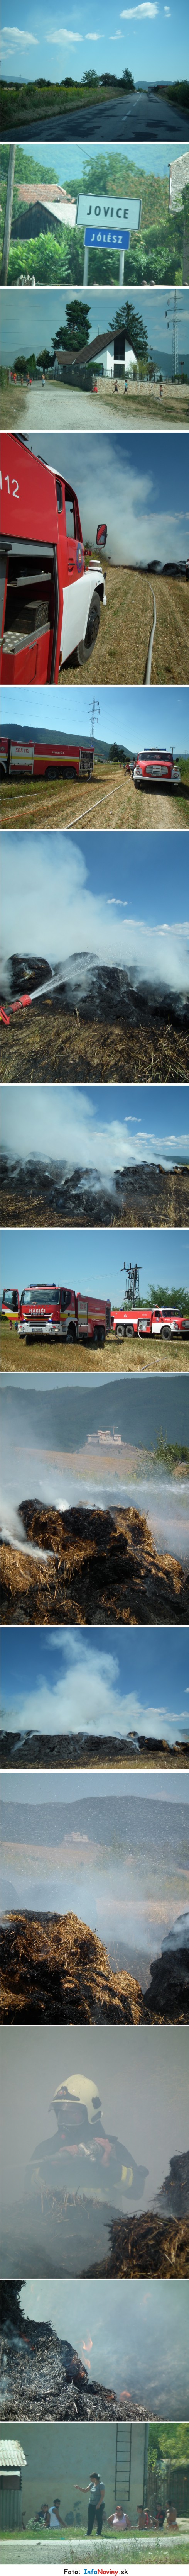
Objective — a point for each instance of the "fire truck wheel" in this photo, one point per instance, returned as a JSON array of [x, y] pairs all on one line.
[[129, 1329], [165, 1335], [102, 1337], [96, 1337], [93, 623], [119, 1332], [71, 1335]]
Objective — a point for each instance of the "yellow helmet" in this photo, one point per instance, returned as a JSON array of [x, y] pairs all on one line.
[[81, 2089]]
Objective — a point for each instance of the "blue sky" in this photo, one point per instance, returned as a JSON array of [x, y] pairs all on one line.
[[105, 860], [139, 485], [93, 1261], [71, 162], [149, 35], [70, 882], [124, 714], [100, 1130], [25, 328]]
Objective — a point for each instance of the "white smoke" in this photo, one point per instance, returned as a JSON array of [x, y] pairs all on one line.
[[64, 1126], [86, 1698], [54, 894]]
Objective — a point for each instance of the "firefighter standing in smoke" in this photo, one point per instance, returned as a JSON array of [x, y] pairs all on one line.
[[81, 2157]]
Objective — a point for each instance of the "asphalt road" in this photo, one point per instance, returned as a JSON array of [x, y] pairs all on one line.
[[143, 118]]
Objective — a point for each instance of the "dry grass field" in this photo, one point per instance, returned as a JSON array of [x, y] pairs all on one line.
[[109, 800], [49, 1044], [147, 1196], [143, 405], [125, 627], [78, 1357]]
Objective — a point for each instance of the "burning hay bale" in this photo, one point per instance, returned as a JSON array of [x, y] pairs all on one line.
[[54, 1968], [102, 1566], [174, 2196], [30, 1752], [168, 1993], [147, 2245], [42, 2375]]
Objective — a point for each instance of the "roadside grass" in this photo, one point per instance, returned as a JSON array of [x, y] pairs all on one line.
[[50, 98], [172, 405], [125, 628], [79, 1358], [50, 1044], [12, 404], [110, 795]]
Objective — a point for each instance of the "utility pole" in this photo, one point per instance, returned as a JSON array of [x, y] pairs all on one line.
[[94, 712], [175, 340], [8, 215]]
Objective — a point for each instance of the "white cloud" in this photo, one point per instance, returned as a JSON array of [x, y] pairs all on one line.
[[146, 9], [20, 34], [64, 36]]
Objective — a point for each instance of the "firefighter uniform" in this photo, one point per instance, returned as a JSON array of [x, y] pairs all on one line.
[[81, 2157]]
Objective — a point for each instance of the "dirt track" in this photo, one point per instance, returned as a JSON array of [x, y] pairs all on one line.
[[109, 800], [103, 1569]]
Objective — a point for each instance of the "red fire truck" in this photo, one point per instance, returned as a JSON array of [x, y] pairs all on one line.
[[155, 769], [50, 600], [39, 757], [150, 1319], [57, 1314]]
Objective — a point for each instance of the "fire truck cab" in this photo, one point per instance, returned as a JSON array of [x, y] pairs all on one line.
[[155, 769], [50, 602], [152, 1320], [58, 1314]]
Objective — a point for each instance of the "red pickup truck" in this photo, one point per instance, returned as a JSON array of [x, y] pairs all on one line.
[[51, 601], [155, 769]]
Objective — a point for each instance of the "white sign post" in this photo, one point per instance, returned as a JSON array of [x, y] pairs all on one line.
[[108, 224]]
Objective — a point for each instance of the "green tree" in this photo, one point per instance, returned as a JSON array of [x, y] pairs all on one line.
[[127, 80], [168, 2441], [25, 366], [90, 80], [77, 325], [177, 1297], [169, 1452], [135, 330], [44, 358], [117, 751]]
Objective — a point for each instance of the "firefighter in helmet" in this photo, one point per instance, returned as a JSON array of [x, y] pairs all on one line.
[[81, 2157]]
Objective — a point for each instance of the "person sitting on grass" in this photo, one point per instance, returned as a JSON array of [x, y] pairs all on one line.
[[120, 2520], [53, 2519]]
